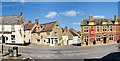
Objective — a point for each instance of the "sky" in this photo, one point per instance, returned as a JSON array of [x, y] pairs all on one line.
[[66, 13]]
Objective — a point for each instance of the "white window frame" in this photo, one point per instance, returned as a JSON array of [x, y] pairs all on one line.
[[97, 38], [110, 27], [85, 29], [104, 28], [85, 38], [98, 28], [110, 37], [12, 37]]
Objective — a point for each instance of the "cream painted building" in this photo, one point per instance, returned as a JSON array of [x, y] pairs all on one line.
[[32, 32], [12, 29], [51, 33]]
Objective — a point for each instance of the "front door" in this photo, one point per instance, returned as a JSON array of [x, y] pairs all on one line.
[[104, 40]]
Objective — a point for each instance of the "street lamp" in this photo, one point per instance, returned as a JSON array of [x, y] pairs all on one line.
[[2, 43]]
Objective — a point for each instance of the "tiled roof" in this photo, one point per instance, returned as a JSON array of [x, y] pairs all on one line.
[[29, 27], [74, 32], [47, 27], [10, 20], [97, 21]]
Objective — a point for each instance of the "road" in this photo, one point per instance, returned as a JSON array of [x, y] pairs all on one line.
[[66, 52]]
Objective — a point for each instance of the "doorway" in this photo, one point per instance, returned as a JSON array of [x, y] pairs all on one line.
[[104, 40]]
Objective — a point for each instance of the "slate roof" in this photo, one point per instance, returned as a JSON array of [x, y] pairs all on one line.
[[10, 20], [47, 27], [98, 21], [74, 32]]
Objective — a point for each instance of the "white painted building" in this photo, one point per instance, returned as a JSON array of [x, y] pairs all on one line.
[[75, 36], [12, 29]]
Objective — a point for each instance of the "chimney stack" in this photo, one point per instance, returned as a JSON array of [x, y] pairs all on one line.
[[36, 21], [91, 18], [29, 22], [115, 18], [21, 14], [66, 28]]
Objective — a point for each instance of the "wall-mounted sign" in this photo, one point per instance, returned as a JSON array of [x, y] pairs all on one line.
[[92, 32]]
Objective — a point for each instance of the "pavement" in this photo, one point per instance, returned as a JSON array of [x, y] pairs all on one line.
[[66, 52]]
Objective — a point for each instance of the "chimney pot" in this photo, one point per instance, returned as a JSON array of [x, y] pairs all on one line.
[[36, 21], [29, 22], [91, 18], [21, 14]]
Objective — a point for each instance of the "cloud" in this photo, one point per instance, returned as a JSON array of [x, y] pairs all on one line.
[[51, 14], [72, 13], [99, 16], [76, 23]]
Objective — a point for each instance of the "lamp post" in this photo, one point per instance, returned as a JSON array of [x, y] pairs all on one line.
[[2, 43]]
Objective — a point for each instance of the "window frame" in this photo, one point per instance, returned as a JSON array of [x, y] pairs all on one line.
[[98, 29], [110, 37], [85, 29], [110, 27], [98, 38], [104, 28], [13, 37], [86, 38]]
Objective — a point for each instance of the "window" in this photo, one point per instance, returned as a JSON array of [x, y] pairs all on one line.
[[55, 33], [56, 40], [6, 38], [85, 29], [97, 38], [52, 40], [24, 36], [12, 37], [3, 28], [38, 28], [13, 27], [48, 40], [104, 28], [57, 26], [98, 29], [85, 38], [110, 37], [38, 40], [110, 28]]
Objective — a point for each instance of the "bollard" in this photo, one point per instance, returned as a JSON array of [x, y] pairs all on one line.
[[15, 51], [10, 52]]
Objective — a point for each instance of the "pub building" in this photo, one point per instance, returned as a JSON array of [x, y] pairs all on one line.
[[100, 30]]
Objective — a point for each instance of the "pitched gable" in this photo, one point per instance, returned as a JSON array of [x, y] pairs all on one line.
[[47, 27], [74, 32]]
